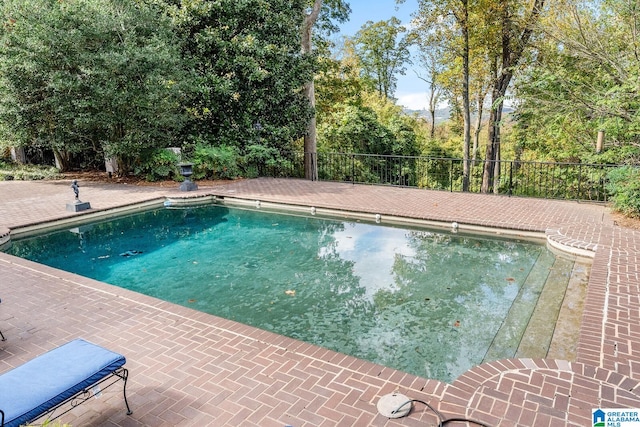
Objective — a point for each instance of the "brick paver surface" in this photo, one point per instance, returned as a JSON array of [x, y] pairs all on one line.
[[192, 369]]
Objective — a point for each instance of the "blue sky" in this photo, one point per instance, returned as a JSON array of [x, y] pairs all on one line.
[[411, 91]]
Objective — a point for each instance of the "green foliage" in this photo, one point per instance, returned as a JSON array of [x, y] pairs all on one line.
[[374, 127], [11, 171], [332, 10], [585, 79], [216, 162], [85, 76], [261, 160], [158, 164], [383, 53], [248, 71], [337, 82], [624, 186], [353, 118], [356, 130], [372, 132], [88, 78]]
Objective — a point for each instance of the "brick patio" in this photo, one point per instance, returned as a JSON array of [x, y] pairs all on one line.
[[193, 369]]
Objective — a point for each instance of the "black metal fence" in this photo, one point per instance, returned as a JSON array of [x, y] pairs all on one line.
[[575, 181]]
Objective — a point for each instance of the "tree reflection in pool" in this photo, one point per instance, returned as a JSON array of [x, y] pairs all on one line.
[[422, 301]]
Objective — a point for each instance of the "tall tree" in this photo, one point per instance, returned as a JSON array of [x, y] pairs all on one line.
[[481, 57], [447, 22], [383, 52], [516, 22], [318, 14], [429, 61], [84, 76], [310, 136]]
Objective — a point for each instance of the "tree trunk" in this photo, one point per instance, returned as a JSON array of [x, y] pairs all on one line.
[[478, 128], [490, 174], [498, 154], [432, 131], [466, 167], [18, 155], [310, 139], [432, 109], [512, 53], [62, 159], [433, 100]]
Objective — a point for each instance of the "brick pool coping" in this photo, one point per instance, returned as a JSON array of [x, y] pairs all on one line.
[[192, 369]]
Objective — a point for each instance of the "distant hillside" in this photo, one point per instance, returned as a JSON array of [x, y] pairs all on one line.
[[443, 114]]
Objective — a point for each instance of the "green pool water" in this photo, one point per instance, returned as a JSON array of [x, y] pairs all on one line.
[[426, 302]]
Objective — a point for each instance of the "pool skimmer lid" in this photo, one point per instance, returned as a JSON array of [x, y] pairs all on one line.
[[394, 405]]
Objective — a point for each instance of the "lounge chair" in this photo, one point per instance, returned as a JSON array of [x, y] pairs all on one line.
[[65, 376]]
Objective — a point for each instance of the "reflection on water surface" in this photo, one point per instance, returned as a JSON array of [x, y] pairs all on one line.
[[425, 302]]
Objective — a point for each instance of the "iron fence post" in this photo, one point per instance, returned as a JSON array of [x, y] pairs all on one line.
[[353, 169], [510, 192], [579, 182], [451, 175]]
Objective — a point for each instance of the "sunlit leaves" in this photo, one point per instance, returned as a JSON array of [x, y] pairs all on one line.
[[585, 80], [383, 52]]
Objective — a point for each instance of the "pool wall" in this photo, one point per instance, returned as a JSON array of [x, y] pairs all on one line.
[[558, 245], [284, 387], [360, 216]]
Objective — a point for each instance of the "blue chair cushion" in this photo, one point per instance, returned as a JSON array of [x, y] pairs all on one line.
[[32, 389]]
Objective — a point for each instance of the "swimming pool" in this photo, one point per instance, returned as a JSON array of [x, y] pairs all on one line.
[[428, 302]]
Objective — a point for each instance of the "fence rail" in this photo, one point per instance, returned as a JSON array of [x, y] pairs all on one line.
[[575, 181]]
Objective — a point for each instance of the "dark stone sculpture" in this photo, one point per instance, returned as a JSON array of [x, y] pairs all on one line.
[[78, 205], [186, 170], [76, 188]]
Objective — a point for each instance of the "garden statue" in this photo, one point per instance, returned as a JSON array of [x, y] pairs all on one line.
[[78, 205], [76, 188]]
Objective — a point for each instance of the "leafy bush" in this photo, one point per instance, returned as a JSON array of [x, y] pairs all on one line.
[[262, 161], [624, 186], [158, 164], [216, 162], [11, 171]]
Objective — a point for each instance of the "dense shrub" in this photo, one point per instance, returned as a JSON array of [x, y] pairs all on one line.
[[216, 162], [624, 186], [158, 165], [263, 161], [10, 171]]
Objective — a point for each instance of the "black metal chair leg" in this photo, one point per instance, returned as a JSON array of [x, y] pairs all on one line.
[[2, 336]]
